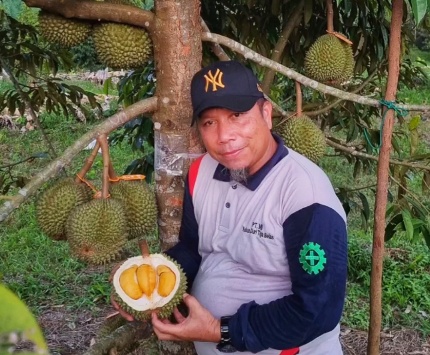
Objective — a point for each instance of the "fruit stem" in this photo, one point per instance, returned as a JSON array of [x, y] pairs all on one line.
[[298, 99], [88, 164], [144, 249], [105, 152], [330, 27]]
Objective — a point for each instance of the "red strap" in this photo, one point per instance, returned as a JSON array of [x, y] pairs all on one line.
[[294, 351], [192, 173]]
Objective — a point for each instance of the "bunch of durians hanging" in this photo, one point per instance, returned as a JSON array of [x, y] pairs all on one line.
[[97, 224]]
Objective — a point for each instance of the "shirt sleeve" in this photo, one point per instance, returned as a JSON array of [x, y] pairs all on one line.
[[316, 248], [185, 252]]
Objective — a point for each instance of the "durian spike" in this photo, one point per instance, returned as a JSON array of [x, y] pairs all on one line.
[[102, 139], [298, 99]]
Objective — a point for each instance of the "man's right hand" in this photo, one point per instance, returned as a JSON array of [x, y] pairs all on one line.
[[123, 313]]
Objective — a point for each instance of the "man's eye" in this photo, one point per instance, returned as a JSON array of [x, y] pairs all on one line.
[[237, 114], [208, 123]]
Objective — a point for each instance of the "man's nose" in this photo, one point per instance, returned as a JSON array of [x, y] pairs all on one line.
[[225, 132]]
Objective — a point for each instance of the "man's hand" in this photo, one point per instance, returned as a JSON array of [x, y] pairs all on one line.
[[123, 313], [200, 325]]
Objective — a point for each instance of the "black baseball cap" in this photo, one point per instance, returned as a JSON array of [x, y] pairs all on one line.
[[226, 84]]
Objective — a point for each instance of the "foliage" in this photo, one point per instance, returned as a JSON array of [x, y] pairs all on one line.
[[405, 284], [139, 133], [18, 324]]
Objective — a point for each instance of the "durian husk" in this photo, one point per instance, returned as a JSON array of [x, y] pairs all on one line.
[[97, 231], [139, 204], [163, 311], [121, 46], [302, 135], [325, 60], [63, 31], [55, 204]]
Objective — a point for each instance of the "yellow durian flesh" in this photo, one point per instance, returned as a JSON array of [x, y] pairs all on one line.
[[163, 302]]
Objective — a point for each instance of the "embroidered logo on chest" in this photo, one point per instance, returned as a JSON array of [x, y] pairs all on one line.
[[257, 229]]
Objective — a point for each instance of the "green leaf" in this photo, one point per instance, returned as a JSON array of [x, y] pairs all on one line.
[[13, 8], [414, 122], [407, 221], [17, 322], [419, 8]]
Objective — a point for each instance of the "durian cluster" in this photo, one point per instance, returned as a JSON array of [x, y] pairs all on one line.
[[302, 135], [96, 228], [118, 46], [330, 60]]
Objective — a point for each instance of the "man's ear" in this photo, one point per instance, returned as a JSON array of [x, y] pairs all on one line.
[[267, 113]]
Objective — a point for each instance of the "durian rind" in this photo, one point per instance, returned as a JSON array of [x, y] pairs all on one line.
[[303, 135], [325, 60], [63, 31], [56, 203], [122, 46], [97, 231], [140, 206], [142, 308]]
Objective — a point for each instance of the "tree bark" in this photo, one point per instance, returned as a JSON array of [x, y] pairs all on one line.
[[178, 55], [382, 184]]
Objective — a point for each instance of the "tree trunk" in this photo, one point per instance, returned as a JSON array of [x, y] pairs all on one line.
[[177, 53], [382, 186]]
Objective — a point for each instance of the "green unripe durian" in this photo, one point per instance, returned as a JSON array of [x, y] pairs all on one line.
[[56, 203], [302, 135], [97, 231]]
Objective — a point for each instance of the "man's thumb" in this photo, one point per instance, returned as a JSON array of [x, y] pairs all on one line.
[[190, 301]]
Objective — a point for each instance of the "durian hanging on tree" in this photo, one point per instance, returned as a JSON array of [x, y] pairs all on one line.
[[97, 230], [139, 202], [55, 204], [330, 59], [147, 283], [301, 134], [63, 31]]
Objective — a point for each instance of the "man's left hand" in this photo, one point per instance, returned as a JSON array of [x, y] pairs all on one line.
[[199, 325]]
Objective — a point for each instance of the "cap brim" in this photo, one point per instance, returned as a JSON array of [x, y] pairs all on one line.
[[231, 102]]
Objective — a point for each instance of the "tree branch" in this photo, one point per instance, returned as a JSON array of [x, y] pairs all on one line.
[[97, 11], [352, 151], [121, 339], [292, 74], [292, 22], [216, 48], [110, 124]]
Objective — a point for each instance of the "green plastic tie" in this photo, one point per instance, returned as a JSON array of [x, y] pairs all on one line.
[[391, 105]]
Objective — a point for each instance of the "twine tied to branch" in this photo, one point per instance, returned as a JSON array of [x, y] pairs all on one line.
[[391, 105]]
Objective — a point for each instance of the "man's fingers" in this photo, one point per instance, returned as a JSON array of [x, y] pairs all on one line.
[[178, 315], [123, 314]]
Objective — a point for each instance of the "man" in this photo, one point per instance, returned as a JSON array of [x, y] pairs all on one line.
[[263, 236]]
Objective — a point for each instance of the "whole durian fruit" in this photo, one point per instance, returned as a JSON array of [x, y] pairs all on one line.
[[56, 203], [122, 46], [142, 285], [97, 231], [329, 60], [63, 31], [302, 135], [139, 204], [348, 71]]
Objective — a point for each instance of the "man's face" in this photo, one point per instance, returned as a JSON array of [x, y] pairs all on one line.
[[238, 140]]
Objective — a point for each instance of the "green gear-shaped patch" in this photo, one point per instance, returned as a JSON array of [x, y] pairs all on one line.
[[312, 258]]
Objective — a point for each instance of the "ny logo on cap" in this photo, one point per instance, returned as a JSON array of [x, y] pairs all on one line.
[[215, 80]]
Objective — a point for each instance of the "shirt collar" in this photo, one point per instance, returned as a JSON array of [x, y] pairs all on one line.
[[253, 181]]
